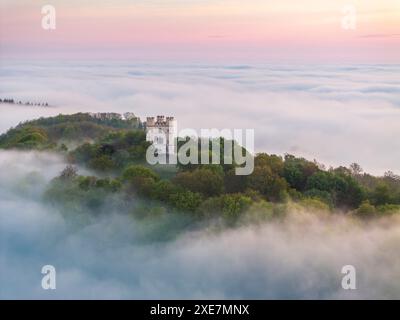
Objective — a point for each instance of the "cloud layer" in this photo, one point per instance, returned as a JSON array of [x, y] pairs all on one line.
[[117, 257], [336, 114]]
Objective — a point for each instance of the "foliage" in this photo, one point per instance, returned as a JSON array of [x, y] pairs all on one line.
[[366, 210], [46, 133], [185, 200], [343, 190], [296, 171], [207, 181], [229, 206], [115, 150], [29, 137]]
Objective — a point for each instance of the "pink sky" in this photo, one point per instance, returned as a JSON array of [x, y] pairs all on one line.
[[251, 30]]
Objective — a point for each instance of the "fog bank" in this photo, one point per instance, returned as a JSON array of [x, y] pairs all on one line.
[[116, 256], [336, 114]]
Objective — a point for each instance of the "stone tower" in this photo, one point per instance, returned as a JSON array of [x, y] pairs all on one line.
[[162, 132]]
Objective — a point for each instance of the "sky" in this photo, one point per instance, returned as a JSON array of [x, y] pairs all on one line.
[[208, 30]]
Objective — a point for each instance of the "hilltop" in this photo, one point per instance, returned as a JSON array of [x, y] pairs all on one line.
[[62, 130], [114, 149]]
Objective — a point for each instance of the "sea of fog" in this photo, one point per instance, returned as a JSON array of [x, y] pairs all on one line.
[[115, 256], [336, 114]]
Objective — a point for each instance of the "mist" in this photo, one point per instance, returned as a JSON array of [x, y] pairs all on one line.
[[335, 114], [115, 256]]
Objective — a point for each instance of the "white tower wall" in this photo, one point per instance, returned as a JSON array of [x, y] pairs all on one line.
[[162, 132]]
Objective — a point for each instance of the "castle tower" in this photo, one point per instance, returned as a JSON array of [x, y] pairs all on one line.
[[162, 132]]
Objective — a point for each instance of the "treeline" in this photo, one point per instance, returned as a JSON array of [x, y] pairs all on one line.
[[27, 103], [54, 133], [215, 190], [115, 150], [79, 118]]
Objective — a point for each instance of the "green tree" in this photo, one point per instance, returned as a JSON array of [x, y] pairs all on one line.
[[268, 183], [138, 171], [102, 163], [228, 205], [344, 190], [140, 179], [186, 200], [163, 189], [273, 161], [296, 171], [366, 210], [382, 195], [209, 182]]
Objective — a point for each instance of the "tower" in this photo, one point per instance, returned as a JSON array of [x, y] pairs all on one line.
[[162, 132]]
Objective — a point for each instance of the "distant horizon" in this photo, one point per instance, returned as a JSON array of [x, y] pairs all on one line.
[[195, 62]]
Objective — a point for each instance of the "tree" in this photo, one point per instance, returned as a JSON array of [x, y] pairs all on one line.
[[209, 182], [391, 175], [185, 200], [323, 181], [355, 169], [268, 183], [235, 183], [321, 195], [381, 195], [296, 171], [163, 189], [366, 209], [314, 204], [68, 173], [273, 161], [138, 171], [344, 190], [102, 163], [234, 204], [85, 183], [228, 205]]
